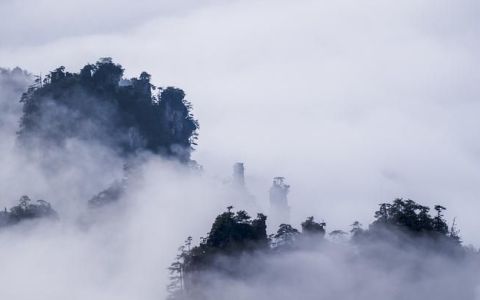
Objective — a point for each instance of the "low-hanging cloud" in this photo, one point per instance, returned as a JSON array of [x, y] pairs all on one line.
[[340, 271], [355, 103]]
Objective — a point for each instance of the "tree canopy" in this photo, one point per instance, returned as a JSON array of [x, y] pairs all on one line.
[[411, 219], [234, 238], [98, 104], [26, 210]]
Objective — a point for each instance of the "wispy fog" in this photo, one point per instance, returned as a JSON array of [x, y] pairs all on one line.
[[355, 103], [339, 271]]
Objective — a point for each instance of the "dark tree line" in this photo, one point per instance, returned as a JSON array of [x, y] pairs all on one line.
[[98, 104], [27, 210], [410, 220], [234, 237]]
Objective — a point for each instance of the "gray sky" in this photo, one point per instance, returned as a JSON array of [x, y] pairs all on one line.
[[356, 103]]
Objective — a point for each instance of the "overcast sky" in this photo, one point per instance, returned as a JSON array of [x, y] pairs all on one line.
[[354, 102]]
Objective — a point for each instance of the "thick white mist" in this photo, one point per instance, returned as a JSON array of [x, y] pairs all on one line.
[[355, 103]]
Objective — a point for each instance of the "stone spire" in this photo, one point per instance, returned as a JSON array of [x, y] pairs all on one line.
[[239, 174], [279, 201]]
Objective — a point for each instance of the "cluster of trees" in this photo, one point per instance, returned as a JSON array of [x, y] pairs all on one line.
[[231, 234], [27, 210], [234, 237], [409, 220], [98, 104]]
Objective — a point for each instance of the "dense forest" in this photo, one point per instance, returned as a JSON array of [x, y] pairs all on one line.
[[99, 105], [237, 246], [96, 106], [26, 210]]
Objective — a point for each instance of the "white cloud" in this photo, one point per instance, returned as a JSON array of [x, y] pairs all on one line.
[[356, 103]]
